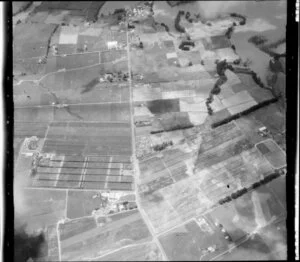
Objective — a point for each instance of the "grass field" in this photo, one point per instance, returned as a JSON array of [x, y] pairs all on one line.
[[142, 252], [252, 210], [91, 243], [40, 208], [112, 55], [268, 244], [188, 242], [89, 139], [76, 79], [72, 61], [78, 113], [30, 67], [76, 227], [29, 42]]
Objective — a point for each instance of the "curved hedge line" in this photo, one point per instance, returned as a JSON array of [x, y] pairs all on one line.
[[243, 18], [178, 27]]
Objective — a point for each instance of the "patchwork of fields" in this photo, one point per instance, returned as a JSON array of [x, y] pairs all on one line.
[[131, 164]]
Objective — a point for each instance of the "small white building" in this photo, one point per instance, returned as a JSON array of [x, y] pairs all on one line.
[[112, 45]]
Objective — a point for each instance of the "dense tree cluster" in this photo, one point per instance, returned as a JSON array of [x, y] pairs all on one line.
[[178, 27]]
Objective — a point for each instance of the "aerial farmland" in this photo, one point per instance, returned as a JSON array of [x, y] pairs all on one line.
[[143, 131]]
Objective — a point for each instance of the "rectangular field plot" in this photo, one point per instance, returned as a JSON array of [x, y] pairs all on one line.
[[174, 204], [258, 208], [254, 248], [89, 139], [92, 41], [52, 242], [82, 203], [223, 152], [31, 41], [143, 252], [77, 78], [120, 186], [63, 49], [90, 172], [94, 112], [72, 61], [76, 227], [112, 55], [190, 242], [31, 67], [27, 129], [278, 187], [88, 243], [270, 243], [216, 42], [220, 135], [34, 115], [158, 173], [99, 172], [93, 185], [42, 207], [273, 153]]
